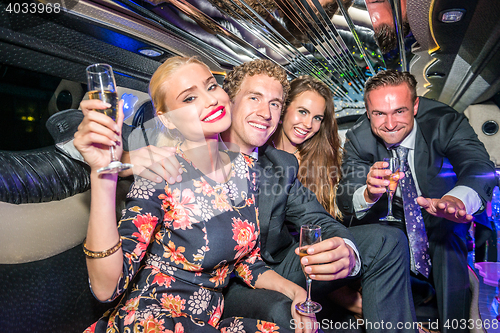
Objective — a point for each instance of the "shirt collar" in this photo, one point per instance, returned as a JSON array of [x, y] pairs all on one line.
[[222, 144], [409, 141], [255, 153]]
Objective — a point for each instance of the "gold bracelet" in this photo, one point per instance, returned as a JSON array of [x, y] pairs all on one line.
[[101, 254]]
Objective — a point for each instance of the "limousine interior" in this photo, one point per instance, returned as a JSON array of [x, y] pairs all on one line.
[[451, 46]]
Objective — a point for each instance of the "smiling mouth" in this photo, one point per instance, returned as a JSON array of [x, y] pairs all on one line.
[[300, 131], [392, 132], [259, 126], [215, 115]]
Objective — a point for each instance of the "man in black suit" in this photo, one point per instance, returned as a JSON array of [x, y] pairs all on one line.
[[258, 91], [450, 167]]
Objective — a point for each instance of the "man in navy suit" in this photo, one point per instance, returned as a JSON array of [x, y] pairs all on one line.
[[451, 169]]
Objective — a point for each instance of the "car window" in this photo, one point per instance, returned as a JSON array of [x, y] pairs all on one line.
[[27, 100]]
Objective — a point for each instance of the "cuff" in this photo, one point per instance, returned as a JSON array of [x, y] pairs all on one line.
[[359, 203], [468, 196], [357, 267]]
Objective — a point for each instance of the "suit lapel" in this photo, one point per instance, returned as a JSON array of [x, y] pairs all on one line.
[[265, 202], [382, 152]]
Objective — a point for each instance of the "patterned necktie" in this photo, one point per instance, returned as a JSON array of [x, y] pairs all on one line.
[[415, 228]]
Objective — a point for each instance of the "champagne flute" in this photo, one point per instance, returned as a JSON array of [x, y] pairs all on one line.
[[391, 188], [101, 85], [309, 235]]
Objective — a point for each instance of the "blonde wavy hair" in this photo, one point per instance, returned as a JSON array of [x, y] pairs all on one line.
[[158, 86]]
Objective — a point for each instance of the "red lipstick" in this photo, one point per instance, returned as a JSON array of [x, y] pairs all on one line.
[[214, 111]]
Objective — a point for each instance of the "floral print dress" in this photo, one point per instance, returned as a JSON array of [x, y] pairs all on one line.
[[181, 243]]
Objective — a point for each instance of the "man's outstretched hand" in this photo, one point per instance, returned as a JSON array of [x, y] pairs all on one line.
[[449, 207]]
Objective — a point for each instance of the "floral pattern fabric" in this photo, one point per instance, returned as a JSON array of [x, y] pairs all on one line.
[[181, 243]]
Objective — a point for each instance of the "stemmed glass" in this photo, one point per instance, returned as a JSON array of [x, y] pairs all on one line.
[[101, 85], [309, 235], [391, 188]]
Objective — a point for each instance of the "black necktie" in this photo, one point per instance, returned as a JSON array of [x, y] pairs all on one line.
[[415, 228]]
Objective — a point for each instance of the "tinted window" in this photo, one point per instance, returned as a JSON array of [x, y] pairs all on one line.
[[24, 101]]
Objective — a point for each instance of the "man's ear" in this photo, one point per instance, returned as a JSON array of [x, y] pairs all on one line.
[[165, 120], [415, 106]]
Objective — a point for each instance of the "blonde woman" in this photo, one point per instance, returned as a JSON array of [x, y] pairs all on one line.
[[176, 245]]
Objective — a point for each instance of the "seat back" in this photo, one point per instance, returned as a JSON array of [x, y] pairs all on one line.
[[45, 201]]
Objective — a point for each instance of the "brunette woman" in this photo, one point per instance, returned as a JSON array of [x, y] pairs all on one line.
[[308, 129]]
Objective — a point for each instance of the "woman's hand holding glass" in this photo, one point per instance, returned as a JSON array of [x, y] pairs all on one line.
[[102, 86], [97, 132]]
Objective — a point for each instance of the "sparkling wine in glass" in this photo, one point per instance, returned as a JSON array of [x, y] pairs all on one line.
[[101, 85], [309, 235], [391, 188]]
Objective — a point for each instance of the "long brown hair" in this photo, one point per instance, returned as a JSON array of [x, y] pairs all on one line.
[[321, 155]]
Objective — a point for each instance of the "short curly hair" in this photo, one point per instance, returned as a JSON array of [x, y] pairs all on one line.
[[233, 80]]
